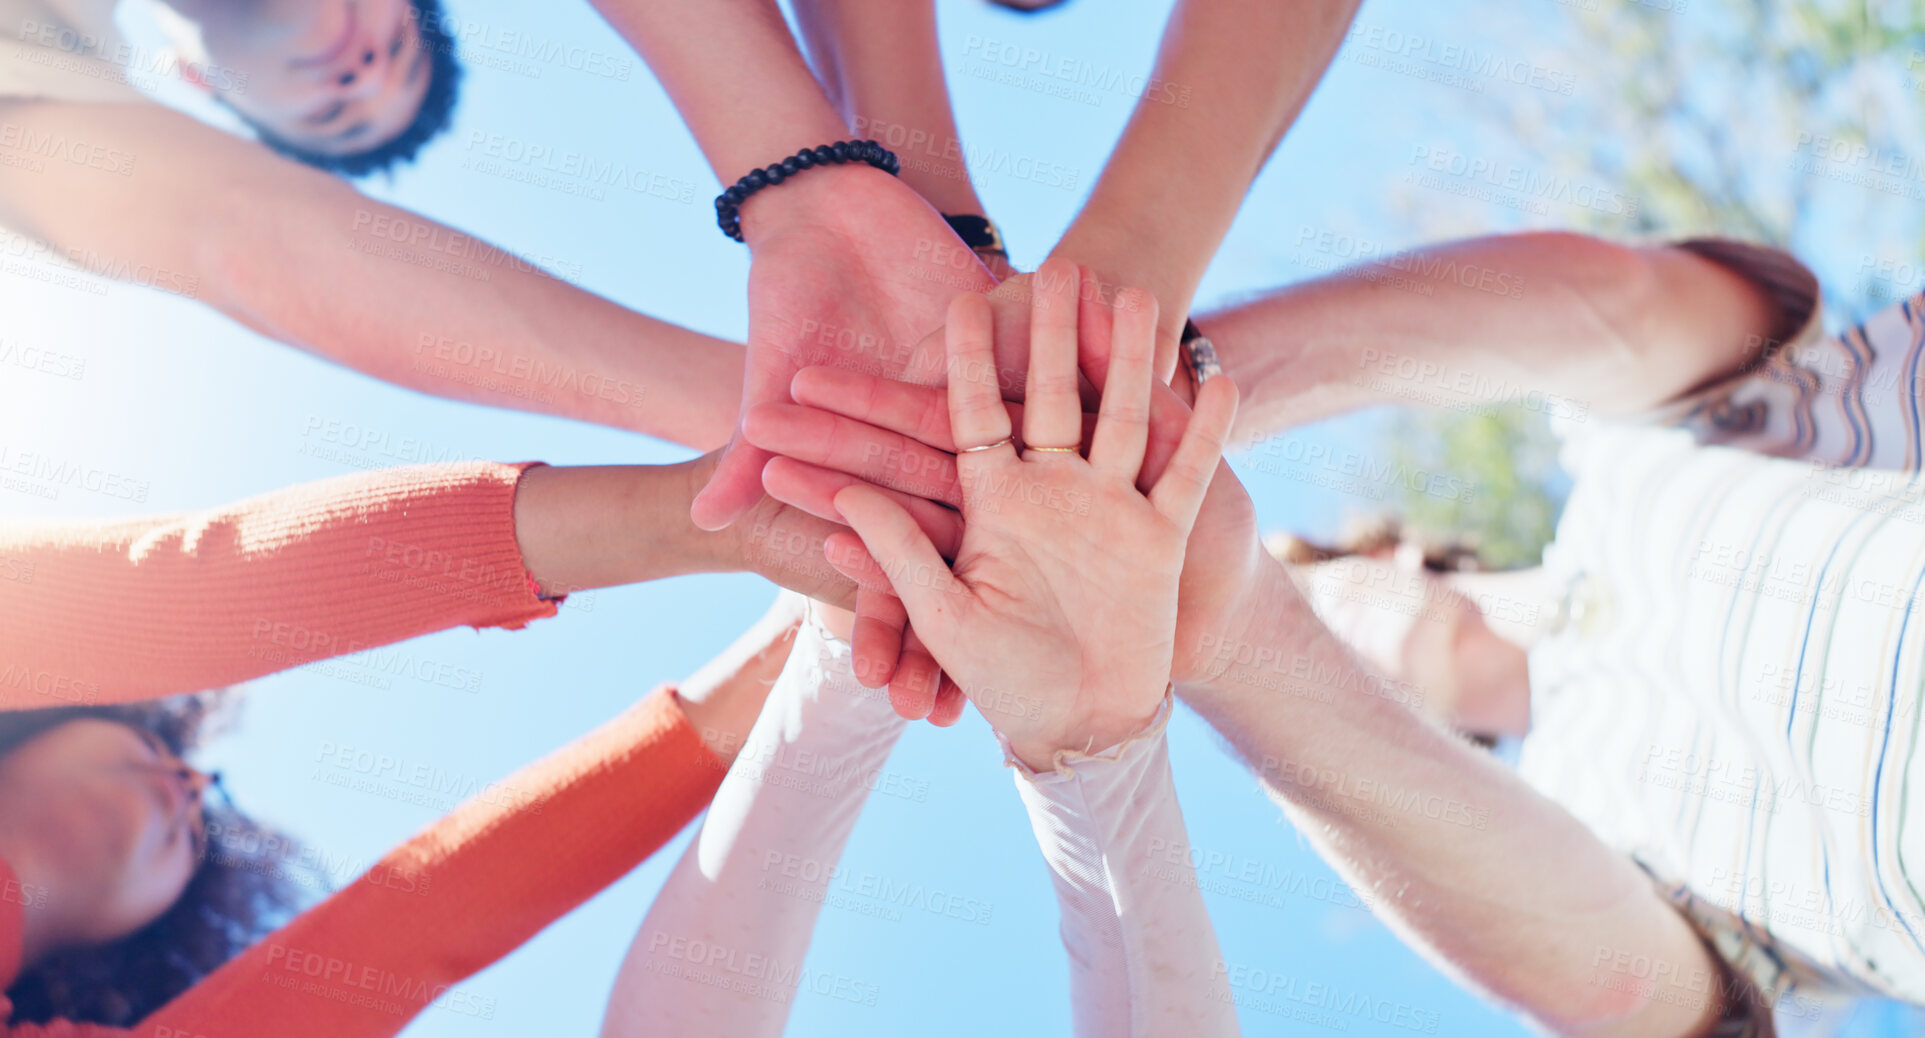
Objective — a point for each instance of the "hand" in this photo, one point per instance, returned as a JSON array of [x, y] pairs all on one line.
[[840, 276], [1058, 618], [776, 541], [1012, 301], [848, 428], [998, 266], [881, 640]]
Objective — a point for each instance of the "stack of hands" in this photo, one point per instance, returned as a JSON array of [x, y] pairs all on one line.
[[1038, 557]]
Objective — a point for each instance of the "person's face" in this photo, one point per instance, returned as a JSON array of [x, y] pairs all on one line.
[[113, 815], [328, 76]]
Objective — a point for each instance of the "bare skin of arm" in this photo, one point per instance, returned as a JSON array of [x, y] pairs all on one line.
[[1229, 80], [1614, 329], [594, 526], [1498, 886], [302, 257], [879, 64]]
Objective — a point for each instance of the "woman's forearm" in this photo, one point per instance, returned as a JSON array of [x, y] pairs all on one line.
[[601, 526], [880, 64], [103, 611], [1229, 79], [583, 527], [1501, 887]]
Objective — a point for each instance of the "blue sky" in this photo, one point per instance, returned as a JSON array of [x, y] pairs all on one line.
[[202, 411]]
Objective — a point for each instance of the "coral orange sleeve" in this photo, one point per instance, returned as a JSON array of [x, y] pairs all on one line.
[[463, 893], [113, 611]]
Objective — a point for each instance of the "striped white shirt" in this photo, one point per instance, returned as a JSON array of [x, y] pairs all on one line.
[[1736, 696]]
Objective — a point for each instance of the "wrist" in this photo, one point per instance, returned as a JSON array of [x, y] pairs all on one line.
[[1122, 252], [717, 551], [1088, 737], [796, 201], [946, 189], [1271, 614]]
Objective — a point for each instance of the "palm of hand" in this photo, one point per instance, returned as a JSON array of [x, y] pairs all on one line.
[[780, 543], [1040, 559]]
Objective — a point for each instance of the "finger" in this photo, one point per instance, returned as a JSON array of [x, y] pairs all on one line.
[[949, 704], [976, 413], [934, 598], [1095, 320], [918, 412], [1123, 424], [1053, 412], [1169, 349], [1169, 416], [733, 489], [879, 456], [1179, 492], [918, 678], [813, 489], [876, 640], [998, 265], [845, 553]]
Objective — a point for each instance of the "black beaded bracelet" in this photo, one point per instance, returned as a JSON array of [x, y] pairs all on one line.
[[728, 204]]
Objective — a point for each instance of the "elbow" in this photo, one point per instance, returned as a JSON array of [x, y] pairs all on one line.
[[1617, 304], [238, 278], [1601, 1010], [1617, 289], [262, 272], [1608, 1000]]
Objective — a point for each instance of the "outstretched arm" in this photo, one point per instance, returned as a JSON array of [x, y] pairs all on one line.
[[1230, 79], [1497, 885], [1611, 329], [880, 65], [494, 873], [119, 610], [834, 277], [302, 257]]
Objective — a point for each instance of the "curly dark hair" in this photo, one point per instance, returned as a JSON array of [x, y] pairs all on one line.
[[430, 120], [231, 901]]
